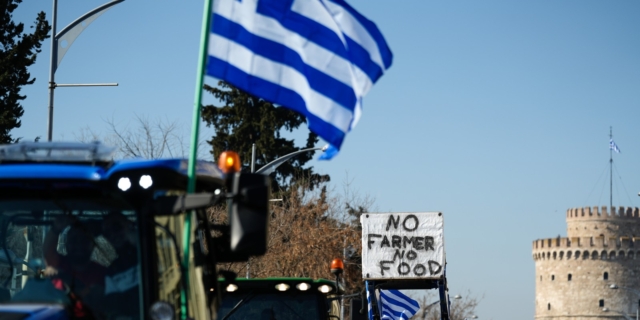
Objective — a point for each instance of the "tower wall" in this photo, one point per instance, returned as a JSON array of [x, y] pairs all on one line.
[[574, 274]]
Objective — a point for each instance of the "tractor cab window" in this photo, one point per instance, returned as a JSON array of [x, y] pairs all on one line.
[[78, 253], [268, 306], [169, 234]]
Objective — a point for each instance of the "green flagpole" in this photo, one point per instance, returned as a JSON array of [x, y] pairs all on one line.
[[191, 187]]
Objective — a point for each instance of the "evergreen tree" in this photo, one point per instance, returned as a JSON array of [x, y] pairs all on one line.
[[18, 51], [245, 119]]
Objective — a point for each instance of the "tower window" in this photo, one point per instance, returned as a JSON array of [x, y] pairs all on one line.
[[553, 277], [569, 277], [601, 303], [548, 306], [606, 276]]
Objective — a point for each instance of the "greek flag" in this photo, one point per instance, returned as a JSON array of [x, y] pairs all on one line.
[[613, 146], [369, 303], [396, 305], [317, 57]]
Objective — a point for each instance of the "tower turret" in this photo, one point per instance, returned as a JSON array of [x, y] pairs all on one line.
[[574, 273]]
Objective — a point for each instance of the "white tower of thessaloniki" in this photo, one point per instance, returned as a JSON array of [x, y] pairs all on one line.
[[574, 275]]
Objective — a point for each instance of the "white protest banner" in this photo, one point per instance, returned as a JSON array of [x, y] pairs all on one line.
[[402, 245]]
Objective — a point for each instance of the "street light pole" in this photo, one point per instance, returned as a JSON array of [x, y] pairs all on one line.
[[426, 308], [52, 64], [69, 34], [618, 312], [636, 292], [271, 166]]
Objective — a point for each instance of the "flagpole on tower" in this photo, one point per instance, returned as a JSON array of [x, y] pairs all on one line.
[[610, 168], [612, 147]]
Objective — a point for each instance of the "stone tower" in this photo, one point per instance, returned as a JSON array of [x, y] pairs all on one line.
[[574, 275]]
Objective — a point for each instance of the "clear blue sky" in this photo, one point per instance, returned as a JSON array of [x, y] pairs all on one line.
[[496, 113]]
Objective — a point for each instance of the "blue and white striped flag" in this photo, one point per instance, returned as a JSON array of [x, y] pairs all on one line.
[[317, 57], [369, 302], [613, 146], [396, 305]]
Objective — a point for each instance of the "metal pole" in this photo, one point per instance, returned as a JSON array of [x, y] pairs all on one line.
[[271, 166], [27, 258], [111, 84], [253, 169], [610, 170], [69, 34], [344, 258], [191, 170], [636, 292], [426, 308], [253, 158], [342, 306], [52, 71]]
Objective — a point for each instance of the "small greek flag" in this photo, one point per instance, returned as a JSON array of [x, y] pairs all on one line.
[[369, 304], [613, 146], [317, 57], [397, 305]]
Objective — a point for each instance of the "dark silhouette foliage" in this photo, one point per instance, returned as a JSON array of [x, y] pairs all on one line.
[[244, 119], [18, 50]]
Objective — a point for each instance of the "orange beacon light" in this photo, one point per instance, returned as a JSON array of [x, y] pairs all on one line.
[[229, 162]]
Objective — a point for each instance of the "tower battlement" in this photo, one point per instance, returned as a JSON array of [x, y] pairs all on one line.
[[603, 212], [588, 247], [603, 221], [587, 242]]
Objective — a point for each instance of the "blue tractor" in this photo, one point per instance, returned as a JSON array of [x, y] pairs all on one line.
[[86, 237]]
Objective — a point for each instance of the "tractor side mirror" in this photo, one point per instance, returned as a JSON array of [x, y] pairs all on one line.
[[249, 214]]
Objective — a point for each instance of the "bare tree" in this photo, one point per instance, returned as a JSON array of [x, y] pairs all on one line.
[[304, 236], [148, 139], [461, 309], [353, 204]]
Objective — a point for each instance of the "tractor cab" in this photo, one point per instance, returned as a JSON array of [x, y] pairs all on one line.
[[86, 237], [281, 298], [278, 298]]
